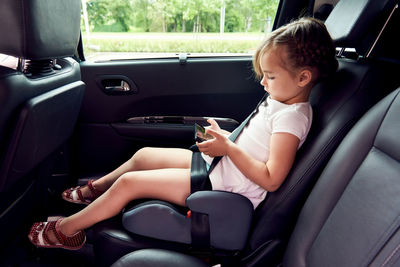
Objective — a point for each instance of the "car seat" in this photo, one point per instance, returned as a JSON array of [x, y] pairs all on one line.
[[40, 98], [351, 217], [337, 103]]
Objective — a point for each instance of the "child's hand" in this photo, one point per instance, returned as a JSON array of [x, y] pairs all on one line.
[[218, 146], [213, 125]]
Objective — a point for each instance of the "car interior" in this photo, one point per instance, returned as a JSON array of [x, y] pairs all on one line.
[[65, 120]]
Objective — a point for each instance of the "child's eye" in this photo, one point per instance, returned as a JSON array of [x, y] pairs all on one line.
[[270, 78]]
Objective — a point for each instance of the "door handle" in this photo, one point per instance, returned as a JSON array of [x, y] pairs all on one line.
[[116, 85], [123, 87]]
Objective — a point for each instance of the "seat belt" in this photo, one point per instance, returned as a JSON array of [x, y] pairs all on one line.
[[200, 225], [234, 135]]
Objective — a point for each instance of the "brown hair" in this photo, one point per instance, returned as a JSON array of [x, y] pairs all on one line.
[[308, 44]]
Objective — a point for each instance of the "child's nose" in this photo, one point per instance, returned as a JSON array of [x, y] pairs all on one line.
[[263, 82]]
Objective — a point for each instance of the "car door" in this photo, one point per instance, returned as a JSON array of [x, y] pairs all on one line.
[[164, 100], [132, 103]]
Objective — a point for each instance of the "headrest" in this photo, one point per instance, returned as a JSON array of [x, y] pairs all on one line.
[[39, 29], [350, 22]]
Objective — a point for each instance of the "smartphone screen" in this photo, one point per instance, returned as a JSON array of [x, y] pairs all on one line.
[[200, 134]]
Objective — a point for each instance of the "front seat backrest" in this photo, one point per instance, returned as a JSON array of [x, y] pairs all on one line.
[[352, 215], [39, 100]]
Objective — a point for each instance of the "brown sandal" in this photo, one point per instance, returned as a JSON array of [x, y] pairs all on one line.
[[38, 236], [75, 195]]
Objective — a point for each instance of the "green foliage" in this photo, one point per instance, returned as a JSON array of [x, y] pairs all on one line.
[[234, 21], [109, 15], [180, 15]]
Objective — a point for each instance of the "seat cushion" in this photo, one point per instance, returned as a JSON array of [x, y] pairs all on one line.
[[157, 257], [158, 219]]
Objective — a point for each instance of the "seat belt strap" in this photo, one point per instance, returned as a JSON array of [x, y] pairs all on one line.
[[234, 135], [200, 230]]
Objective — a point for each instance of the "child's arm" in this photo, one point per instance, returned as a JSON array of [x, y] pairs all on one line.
[[270, 175]]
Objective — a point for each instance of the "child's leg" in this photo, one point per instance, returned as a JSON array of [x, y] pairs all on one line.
[[171, 185], [148, 158]]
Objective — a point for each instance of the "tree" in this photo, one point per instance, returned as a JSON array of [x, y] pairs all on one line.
[[169, 13], [175, 9], [248, 9], [264, 13], [103, 13], [121, 11], [141, 14], [179, 7], [249, 15], [233, 16], [199, 11], [97, 13], [174, 15]]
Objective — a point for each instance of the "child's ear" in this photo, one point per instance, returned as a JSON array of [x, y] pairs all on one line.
[[304, 78]]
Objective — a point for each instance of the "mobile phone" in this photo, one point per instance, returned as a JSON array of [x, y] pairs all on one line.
[[200, 134]]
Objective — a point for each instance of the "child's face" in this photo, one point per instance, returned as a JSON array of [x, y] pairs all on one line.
[[281, 84]]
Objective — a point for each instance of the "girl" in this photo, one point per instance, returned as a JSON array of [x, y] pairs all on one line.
[[289, 62]]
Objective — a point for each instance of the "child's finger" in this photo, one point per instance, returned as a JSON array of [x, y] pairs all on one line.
[[213, 123], [213, 132], [203, 146]]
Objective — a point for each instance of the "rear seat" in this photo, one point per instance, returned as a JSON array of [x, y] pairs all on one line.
[[337, 104], [352, 215]]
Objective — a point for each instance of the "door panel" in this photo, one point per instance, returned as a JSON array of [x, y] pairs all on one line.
[[165, 100]]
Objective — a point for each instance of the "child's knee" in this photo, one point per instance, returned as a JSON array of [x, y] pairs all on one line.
[[140, 157], [123, 191], [122, 183]]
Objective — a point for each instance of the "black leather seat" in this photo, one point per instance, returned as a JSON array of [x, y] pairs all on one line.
[[39, 99], [351, 217], [337, 104]]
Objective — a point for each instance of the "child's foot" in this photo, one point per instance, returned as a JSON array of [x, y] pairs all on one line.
[[49, 235], [82, 194]]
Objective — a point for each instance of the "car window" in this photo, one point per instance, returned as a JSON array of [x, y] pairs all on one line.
[[124, 29]]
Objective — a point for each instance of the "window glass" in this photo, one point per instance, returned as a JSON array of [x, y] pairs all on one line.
[[124, 29]]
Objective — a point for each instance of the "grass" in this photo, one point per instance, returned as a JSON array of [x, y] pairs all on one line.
[[172, 42]]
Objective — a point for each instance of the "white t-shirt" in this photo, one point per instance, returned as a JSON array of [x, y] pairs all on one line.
[[272, 117]]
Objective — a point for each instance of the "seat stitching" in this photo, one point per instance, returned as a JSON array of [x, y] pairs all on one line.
[[391, 255]]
